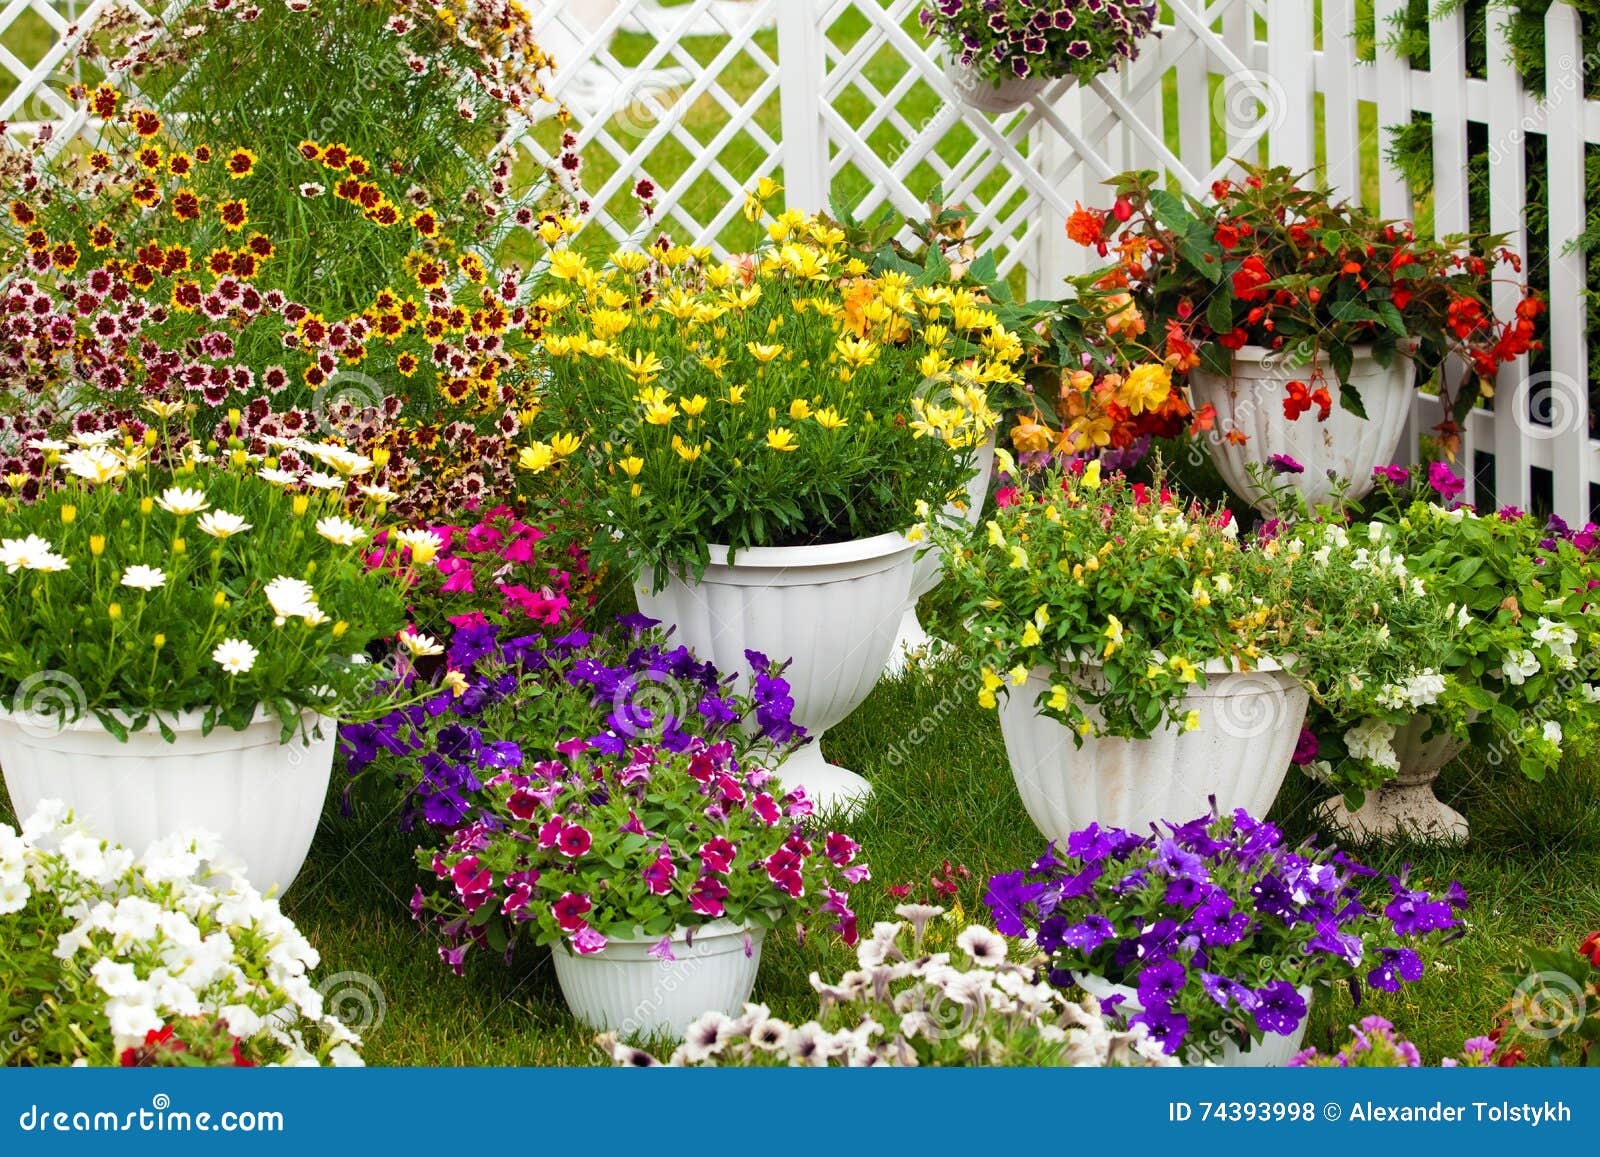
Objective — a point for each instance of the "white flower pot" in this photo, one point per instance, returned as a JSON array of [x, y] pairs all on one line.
[[1272, 1051], [261, 796], [992, 95], [1251, 402], [1406, 805], [1239, 754], [926, 572], [625, 990], [831, 609]]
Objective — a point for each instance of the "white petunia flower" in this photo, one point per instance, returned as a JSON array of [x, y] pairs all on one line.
[[1552, 731], [1519, 667], [144, 578], [1372, 740], [235, 656], [983, 945]]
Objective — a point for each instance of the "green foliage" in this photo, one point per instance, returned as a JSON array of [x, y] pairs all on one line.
[[182, 584]]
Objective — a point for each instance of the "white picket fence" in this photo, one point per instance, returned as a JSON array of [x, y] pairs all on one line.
[[845, 98]]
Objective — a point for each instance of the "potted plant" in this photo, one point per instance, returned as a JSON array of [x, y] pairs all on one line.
[[924, 995], [1215, 933], [162, 958], [762, 445], [652, 875], [1000, 55], [511, 700], [1142, 657], [1305, 322], [1374, 1044], [1506, 674], [177, 633]]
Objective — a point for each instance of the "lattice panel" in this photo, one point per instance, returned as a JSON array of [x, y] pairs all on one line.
[[841, 100]]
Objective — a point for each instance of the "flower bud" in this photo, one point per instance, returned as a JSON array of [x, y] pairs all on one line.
[[97, 544], [114, 611], [69, 515]]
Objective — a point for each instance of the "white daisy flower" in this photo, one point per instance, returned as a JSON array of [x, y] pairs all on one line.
[[22, 553], [378, 493], [181, 500], [291, 598], [324, 481], [277, 477], [424, 545], [340, 531], [420, 645], [235, 656], [144, 578], [222, 524], [96, 464]]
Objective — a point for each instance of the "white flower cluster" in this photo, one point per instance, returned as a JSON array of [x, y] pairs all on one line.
[[176, 933], [906, 1008], [1420, 690], [1373, 741]]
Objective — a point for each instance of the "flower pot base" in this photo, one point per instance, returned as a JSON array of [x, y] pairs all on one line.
[[626, 990], [1394, 811], [834, 790]]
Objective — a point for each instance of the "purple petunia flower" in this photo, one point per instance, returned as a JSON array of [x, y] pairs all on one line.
[[1284, 464], [1305, 748], [1279, 1008]]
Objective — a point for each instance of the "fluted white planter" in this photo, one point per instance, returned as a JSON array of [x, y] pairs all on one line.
[[1406, 805], [929, 567], [992, 95], [831, 609], [263, 797], [625, 990], [1239, 754], [1251, 402], [1272, 1051]]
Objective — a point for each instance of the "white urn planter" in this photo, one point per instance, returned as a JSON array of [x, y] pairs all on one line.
[[831, 609], [1406, 806], [625, 990], [261, 796], [1239, 754], [1272, 1051], [991, 94], [911, 639], [1346, 446]]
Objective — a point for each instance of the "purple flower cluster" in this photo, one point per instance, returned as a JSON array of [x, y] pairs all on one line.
[[536, 697], [1215, 922], [1050, 38]]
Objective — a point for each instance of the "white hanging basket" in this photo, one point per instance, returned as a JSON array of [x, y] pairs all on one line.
[[625, 990], [1249, 722], [831, 609], [1346, 446], [991, 94], [263, 797]]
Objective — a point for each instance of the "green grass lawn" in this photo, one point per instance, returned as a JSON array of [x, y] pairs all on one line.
[[1532, 870]]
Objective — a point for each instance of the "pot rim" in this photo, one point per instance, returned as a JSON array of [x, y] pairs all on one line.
[[825, 554], [182, 721], [1257, 353], [1265, 665], [715, 930]]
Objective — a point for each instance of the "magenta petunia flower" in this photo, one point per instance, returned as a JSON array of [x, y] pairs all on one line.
[[587, 942], [570, 911], [717, 855], [574, 841]]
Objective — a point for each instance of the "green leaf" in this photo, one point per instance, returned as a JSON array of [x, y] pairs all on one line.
[[1216, 359], [1351, 311], [1219, 313], [1350, 399]]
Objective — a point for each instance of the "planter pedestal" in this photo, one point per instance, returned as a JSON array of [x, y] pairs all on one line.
[[1406, 806], [832, 610]]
